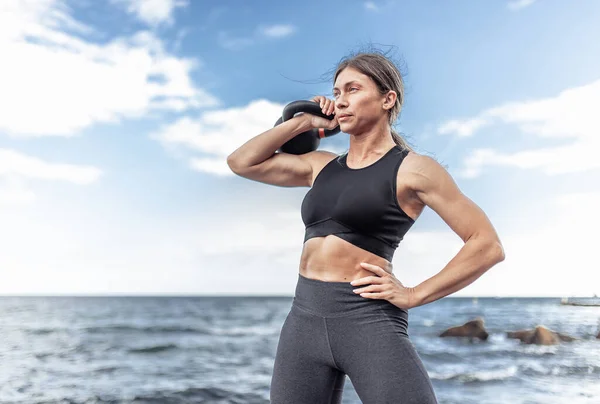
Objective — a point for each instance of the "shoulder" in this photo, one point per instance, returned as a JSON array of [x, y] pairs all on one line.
[[318, 159], [321, 155], [423, 173]]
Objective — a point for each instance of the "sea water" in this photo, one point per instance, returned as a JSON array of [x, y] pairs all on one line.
[[222, 349]]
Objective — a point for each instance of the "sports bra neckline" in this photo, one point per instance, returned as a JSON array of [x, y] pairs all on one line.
[[344, 158]]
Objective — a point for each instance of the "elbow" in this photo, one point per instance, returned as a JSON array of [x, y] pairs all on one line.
[[496, 251], [233, 163], [490, 248]]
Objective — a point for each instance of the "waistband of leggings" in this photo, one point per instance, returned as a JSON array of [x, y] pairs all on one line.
[[333, 298]]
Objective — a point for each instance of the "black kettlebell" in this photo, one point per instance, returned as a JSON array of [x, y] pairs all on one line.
[[306, 141]]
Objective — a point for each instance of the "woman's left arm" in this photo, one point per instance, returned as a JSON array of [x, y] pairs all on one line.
[[434, 186]]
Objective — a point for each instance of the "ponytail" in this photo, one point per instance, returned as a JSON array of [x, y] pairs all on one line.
[[399, 140]]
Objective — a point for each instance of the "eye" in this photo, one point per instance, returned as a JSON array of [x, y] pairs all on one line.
[[353, 88]]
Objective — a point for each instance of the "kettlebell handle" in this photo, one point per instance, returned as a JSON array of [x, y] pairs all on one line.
[[312, 108], [306, 141]]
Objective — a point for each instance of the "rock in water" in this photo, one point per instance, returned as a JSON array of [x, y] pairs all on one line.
[[470, 329], [540, 335]]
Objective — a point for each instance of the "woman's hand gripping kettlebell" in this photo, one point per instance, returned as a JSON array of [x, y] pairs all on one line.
[[328, 108]]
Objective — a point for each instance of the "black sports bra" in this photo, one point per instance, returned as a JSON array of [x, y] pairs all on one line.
[[358, 205]]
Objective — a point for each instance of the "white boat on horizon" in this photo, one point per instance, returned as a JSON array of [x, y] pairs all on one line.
[[581, 301]]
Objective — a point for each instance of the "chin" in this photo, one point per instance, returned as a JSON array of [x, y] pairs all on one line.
[[346, 128]]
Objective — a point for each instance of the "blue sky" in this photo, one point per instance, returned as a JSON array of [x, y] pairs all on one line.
[[118, 117]]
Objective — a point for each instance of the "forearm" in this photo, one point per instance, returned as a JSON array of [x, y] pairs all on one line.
[[475, 257], [264, 145]]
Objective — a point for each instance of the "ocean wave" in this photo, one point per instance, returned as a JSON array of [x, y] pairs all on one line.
[[42, 331], [440, 356], [537, 349], [477, 376], [154, 348], [144, 329], [107, 369], [529, 369], [535, 369], [155, 329], [201, 395], [244, 331]]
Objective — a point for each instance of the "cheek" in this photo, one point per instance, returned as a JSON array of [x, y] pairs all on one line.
[[368, 110]]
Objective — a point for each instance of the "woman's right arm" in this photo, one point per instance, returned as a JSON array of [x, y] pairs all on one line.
[[257, 158]]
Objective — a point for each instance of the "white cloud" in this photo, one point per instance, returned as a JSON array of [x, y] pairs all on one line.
[[234, 43], [570, 117], [176, 254], [263, 31], [13, 191], [556, 259], [16, 169], [211, 165], [248, 248], [462, 128], [15, 163], [254, 246], [379, 6], [68, 83], [519, 4], [219, 132], [369, 5], [153, 12], [216, 134], [277, 31], [416, 260]]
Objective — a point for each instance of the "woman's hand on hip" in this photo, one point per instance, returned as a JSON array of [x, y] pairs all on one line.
[[384, 285]]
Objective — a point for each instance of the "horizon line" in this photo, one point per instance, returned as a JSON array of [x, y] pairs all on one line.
[[282, 296]]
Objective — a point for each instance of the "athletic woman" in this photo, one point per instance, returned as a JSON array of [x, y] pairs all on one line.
[[349, 314]]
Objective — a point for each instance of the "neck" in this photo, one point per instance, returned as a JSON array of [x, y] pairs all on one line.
[[371, 144]]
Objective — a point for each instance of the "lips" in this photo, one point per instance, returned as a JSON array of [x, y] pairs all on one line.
[[342, 116]]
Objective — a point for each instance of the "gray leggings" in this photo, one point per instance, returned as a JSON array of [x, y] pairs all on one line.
[[331, 332]]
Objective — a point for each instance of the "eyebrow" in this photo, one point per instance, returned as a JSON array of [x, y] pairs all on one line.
[[346, 84]]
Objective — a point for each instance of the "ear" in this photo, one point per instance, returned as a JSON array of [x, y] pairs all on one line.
[[390, 100]]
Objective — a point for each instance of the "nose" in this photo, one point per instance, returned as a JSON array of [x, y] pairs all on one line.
[[340, 102]]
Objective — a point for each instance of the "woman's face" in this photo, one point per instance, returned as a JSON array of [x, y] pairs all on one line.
[[358, 103]]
